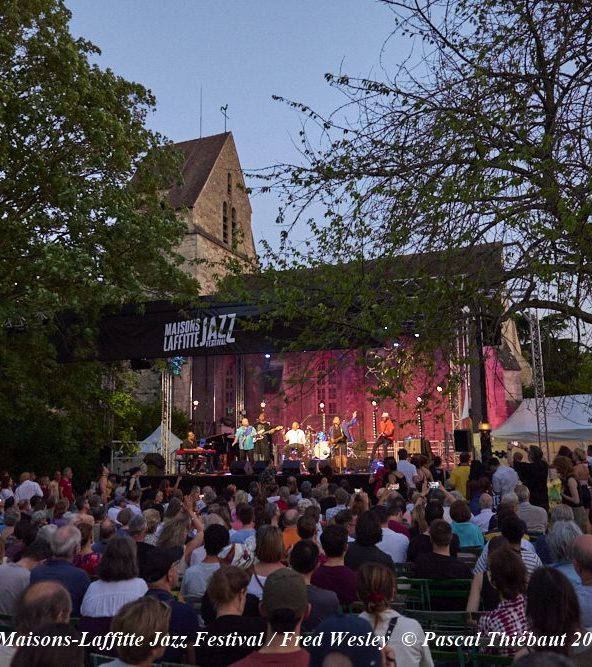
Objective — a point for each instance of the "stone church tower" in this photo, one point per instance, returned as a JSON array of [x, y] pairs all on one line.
[[213, 200]]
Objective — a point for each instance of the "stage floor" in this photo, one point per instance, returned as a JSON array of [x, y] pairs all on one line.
[[356, 480]]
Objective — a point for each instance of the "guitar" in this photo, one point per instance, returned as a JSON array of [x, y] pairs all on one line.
[[262, 434]]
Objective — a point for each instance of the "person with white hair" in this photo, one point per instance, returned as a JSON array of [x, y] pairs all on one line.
[[483, 519], [561, 538], [65, 545], [534, 517]]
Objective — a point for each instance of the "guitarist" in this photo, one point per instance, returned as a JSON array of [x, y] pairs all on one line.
[[263, 444], [338, 440]]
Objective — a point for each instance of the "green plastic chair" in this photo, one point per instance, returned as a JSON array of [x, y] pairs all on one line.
[[478, 659], [457, 657], [413, 592], [457, 589], [96, 659]]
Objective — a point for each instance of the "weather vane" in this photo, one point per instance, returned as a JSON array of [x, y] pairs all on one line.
[[224, 112]]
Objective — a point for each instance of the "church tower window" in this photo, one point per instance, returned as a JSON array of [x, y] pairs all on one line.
[[225, 223]]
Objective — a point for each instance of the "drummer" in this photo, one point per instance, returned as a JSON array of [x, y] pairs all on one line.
[[295, 439]]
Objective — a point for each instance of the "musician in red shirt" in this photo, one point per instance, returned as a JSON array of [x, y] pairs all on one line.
[[386, 436]]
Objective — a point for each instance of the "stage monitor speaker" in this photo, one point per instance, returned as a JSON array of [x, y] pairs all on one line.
[[241, 468], [290, 467], [463, 440], [259, 467]]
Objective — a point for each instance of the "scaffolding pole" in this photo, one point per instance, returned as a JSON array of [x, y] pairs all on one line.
[[166, 391], [538, 380]]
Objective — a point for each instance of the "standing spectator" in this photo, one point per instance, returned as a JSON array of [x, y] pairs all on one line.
[[153, 519], [508, 576], [468, 534], [15, 577], [227, 591], [460, 474], [377, 590], [197, 577], [65, 546], [408, 469], [330, 499], [504, 479], [364, 549], [160, 573], [149, 619], [438, 472], [54, 486], [534, 475], [534, 517], [65, 484], [393, 544], [284, 603], [40, 603], [118, 581], [346, 519], [333, 575], [582, 558], [342, 499], [6, 491], [27, 489], [303, 559], [87, 559], [570, 491], [483, 519]]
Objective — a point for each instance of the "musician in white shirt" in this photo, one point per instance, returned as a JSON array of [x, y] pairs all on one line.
[[294, 439]]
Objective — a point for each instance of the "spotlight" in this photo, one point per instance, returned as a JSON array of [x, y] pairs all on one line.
[[262, 404], [439, 389], [396, 343], [322, 406], [374, 404], [419, 399], [416, 335], [195, 404], [267, 355]]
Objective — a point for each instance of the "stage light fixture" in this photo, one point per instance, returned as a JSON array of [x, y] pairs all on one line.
[[419, 399], [321, 406], [439, 389], [262, 404], [267, 355], [195, 404], [416, 335]]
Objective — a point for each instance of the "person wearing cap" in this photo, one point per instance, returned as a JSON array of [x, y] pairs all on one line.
[[159, 571], [284, 605], [386, 436]]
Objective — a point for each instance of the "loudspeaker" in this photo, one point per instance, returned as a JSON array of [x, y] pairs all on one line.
[[259, 466], [290, 467], [241, 468], [313, 467], [463, 440]]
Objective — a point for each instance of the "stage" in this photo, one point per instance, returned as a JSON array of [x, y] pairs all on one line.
[[220, 481]]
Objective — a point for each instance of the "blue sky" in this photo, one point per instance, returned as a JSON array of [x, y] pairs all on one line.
[[241, 52]]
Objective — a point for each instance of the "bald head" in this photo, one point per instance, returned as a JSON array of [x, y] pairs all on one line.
[[42, 603], [290, 517], [485, 501], [582, 554]]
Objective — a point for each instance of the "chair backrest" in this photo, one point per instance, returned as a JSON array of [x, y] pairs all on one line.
[[413, 592], [96, 660]]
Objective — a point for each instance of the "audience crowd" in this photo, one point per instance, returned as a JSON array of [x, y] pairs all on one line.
[[309, 559]]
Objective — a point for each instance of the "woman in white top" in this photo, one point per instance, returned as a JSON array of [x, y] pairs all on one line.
[[377, 589], [118, 581], [269, 552]]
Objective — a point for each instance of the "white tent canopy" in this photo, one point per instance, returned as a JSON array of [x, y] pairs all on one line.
[[151, 444], [569, 418]]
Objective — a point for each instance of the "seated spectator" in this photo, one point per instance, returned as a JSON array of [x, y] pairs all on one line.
[[483, 596], [197, 577], [118, 584], [534, 517], [149, 619], [303, 559], [441, 565], [290, 532], [65, 546], [246, 519], [513, 530], [15, 577], [284, 604], [66, 650], [137, 528], [306, 528], [468, 534], [423, 543], [582, 561], [346, 519], [342, 500], [24, 535], [364, 549], [508, 577], [11, 517], [175, 533], [561, 538], [483, 519], [396, 509], [377, 590], [87, 559], [160, 573], [327, 652], [107, 530], [333, 575], [39, 604], [227, 592], [269, 552], [393, 544], [552, 610], [152, 522], [508, 506], [541, 545], [60, 508], [123, 518], [328, 500]]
